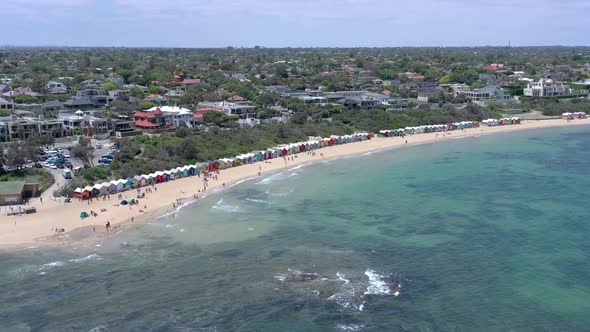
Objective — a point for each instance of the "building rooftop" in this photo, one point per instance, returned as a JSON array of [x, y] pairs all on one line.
[[11, 187]]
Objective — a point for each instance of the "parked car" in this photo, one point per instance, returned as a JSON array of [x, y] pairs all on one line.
[[98, 146]]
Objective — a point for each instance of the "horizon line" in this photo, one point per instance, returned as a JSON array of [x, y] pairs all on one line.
[[290, 47]]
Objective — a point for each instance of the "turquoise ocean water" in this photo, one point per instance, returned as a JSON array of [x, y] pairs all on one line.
[[486, 233]]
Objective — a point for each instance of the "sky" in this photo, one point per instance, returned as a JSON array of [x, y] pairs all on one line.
[[293, 23]]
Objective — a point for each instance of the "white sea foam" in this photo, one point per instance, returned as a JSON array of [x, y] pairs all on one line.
[[272, 178], [261, 201], [221, 206], [53, 264], [268, 192], [349, 327], [341, 276], [299, 166], [99, 328], [87, 258], [376, 284]]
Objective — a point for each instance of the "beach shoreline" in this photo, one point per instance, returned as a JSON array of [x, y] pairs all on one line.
[[36, 230]]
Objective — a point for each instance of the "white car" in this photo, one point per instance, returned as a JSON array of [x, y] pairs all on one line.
[[98, 146], [52, 166], [66, 155]]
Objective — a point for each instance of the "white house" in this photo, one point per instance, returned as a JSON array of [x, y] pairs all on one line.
[[176, 116], [55, 87], [546, 88]]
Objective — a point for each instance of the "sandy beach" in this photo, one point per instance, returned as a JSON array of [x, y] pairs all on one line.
[[39, 229]]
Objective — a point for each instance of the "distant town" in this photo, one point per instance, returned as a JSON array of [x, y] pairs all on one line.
[[164, 107]]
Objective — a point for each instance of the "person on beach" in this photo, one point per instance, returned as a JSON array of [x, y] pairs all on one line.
[[108, 225]]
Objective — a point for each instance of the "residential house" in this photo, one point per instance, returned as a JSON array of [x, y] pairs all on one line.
[[156, 98], [87, 124], [176, 116], [362, 103], [427, 90], [174, 93], [413, 76], [279, 89], [152, 121], [55, 87], [23, 128], [5, 104], [21, 91], [313, 99], [93, 83], [124, 128], [546, 88], [494, 66], [456, 88], [53, 105], [242, 109], [395, 104], [4, 88], [190, 81], [87, 98], [487, 93], [236, 99]]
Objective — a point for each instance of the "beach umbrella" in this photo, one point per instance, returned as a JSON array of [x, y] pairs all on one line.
[[124, 202], [83, 215]]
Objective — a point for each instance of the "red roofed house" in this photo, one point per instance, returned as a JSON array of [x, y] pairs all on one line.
[[190, 81], [494, 66], [149, 120]]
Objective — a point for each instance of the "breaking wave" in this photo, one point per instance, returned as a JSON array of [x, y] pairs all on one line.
[[349, 327], [377, 286], [221, 206], [87, 258]]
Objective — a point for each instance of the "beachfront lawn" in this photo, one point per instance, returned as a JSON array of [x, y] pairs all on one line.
[[40, 176]]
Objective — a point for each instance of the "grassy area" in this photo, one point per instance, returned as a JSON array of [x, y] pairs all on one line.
[[40, 176], [533, 115]]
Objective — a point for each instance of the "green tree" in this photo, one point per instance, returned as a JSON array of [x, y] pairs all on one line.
[[84, 151], [24, 99], [181, 132], [146, 104], [136, 92], [212, 117], [109, 85], [154, 89], [16, 156]]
